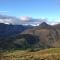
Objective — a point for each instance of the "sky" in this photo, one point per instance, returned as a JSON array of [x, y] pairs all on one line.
[[46, 9]]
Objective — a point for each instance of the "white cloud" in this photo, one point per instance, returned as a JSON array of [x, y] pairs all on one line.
[[7, 21], [31, 21], [25, 20]]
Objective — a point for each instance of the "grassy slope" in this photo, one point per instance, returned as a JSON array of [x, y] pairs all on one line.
[[47, 54]]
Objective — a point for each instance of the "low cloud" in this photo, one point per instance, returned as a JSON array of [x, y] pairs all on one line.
[[32, 21], [25, 20], [22, 20]]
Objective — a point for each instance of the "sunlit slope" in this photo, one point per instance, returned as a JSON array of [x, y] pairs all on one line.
[[52, 54]]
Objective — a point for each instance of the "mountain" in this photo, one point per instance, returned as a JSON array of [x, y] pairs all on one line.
[[57, 26], [11, 30], [44, 25], [46, 35], [24, 37]]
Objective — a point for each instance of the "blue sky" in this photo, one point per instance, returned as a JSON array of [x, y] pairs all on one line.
[[34, 8]]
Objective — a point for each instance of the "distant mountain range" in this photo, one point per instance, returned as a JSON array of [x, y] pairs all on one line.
[[17, 36], [11, 30], [24, 37]]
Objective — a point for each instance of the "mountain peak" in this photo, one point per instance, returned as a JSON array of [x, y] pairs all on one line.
[[44, 25]]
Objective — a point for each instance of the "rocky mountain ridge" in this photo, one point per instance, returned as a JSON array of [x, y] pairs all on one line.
[[42, 36]]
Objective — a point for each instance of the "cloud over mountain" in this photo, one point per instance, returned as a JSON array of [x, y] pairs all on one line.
[[25, 20], [31, 21]]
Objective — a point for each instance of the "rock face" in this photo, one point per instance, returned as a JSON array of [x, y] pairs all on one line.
[[42, 36]]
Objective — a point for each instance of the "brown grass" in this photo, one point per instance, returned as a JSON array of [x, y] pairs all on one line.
[[47, 54]]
